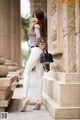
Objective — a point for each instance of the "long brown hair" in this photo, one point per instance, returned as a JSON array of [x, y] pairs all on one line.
[[42, 21]]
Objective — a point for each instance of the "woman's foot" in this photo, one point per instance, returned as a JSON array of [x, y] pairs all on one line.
[[38, 105], [24, 105]]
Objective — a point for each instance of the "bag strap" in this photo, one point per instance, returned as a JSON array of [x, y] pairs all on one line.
[[45, 50]]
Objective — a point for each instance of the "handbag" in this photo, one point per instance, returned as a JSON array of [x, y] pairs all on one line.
[[46, 57]]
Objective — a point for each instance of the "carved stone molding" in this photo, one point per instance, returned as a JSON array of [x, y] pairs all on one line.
[[55, 34], [53, 7]]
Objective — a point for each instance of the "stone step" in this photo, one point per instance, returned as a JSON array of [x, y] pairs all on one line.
[[16, 74], [66, 94], [13, 68], [14, 85], [7, 86], [20, 71], [5, 103], [7, 81], [2, 109], [63, 77], [59, 112], [4, 93]]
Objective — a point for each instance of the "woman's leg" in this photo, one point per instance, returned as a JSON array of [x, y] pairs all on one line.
[[32, 61], [39, 73]]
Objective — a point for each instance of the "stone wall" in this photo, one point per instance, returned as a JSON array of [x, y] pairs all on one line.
[[61, 85], [63, 35]]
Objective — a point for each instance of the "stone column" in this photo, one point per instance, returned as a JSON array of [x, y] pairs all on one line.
[[15, 31], [37, 4], [5, 28], [77, 29], [3, 68], [61, 85], [18, 32], [7, 85], [70, 39]]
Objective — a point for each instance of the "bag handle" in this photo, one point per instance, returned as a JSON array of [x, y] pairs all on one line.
[[45, 50]]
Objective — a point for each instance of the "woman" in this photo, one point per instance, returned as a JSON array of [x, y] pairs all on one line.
[[37, 44]]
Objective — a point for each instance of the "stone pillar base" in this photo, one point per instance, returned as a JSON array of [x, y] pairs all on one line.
[[7, 87], [60, 112], [61, 94]]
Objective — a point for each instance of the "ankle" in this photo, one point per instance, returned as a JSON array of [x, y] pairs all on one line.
[[25, 100], [39, 101]]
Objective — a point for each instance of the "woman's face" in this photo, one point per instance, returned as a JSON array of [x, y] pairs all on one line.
[[35, 19]]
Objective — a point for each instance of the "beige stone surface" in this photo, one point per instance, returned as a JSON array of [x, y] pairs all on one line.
[[69, 59], [77, 17], [10, 34], [66, 95], [5, 93], [2, 60], [71, 18], [17, 73], [13, 31], [59, 112], [61, 94], [20, 71], [13, 86], [13, 68], [65, 19], [5, 28], [3, 70], [17, 53], [5, 103], [7, 86], [55, 33], [62, 77], [78, 52], [65, 55], [71, 56], [7, 81], [70, 95], [9, 62]]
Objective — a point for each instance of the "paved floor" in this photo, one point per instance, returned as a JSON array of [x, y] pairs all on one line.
[[29, 114]]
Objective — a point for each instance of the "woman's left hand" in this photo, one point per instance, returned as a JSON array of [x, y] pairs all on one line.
[[42, 45]]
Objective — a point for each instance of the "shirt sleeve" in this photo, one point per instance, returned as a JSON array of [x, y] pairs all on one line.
[[38, 35]]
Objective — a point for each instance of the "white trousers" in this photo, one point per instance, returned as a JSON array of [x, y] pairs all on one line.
[[33, 61]]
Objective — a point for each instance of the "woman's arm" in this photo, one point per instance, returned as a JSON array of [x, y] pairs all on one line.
[[39, 40], [38, 34]]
